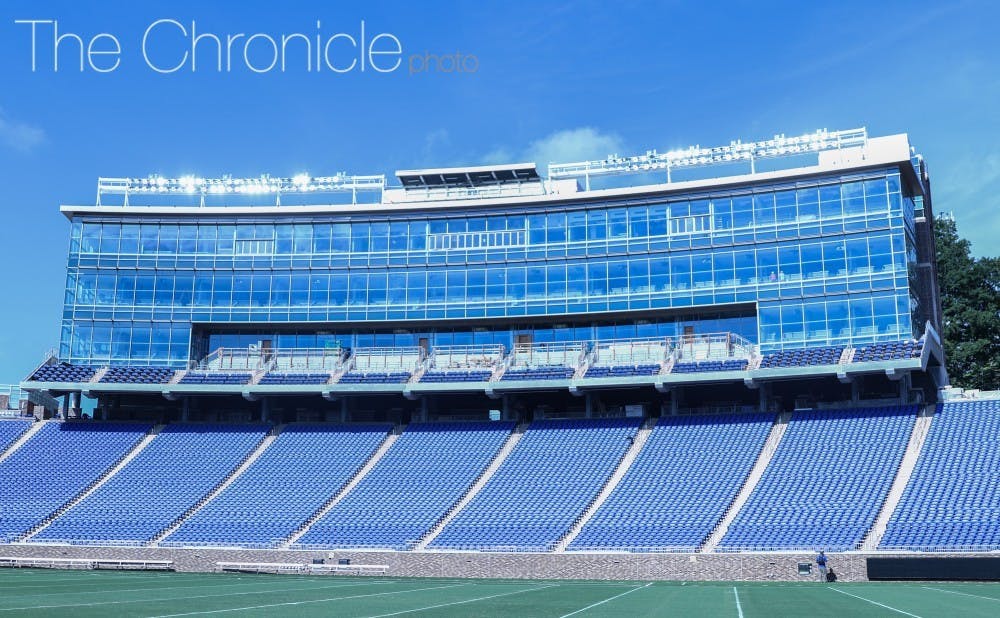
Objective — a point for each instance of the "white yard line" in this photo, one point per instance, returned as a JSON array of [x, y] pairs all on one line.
[[293, 603], [964, 594], [492, 596], [593, 605], [739, 607], [200, 596], [898, 611], [241, 583]]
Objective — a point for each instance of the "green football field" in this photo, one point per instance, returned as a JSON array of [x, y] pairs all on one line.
[[31, 592]]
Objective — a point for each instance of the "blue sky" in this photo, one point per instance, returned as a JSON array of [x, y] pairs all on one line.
[[555, 81]]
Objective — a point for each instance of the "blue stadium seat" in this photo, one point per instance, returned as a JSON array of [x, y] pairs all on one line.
[[278, 377], [215, 378], [679, 487], [739, 364], [621, 371], [413, 486], [544, 372], [374, 377], [64, 372], [542, 487], [305, 466], [953, 497], [170, 475], [826, 483], [807, 357], [456, 375], [137, 375], [55, 465], [888, 350], [10, 431]]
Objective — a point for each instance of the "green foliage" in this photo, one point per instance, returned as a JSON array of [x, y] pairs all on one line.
[[970, 296]]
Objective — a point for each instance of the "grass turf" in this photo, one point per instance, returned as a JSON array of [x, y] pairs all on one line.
[[30, 592]]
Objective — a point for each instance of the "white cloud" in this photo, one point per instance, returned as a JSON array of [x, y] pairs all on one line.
[[564, 146], [19, 136]]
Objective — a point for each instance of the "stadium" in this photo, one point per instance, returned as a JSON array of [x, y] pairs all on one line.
[[699, 365]]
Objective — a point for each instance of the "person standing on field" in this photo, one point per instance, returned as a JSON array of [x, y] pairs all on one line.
[[821, 563]]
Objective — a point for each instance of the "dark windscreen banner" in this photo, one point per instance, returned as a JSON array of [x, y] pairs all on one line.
[[935, 568]]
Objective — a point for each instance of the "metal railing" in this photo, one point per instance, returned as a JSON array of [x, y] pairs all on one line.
[[443, 358], [652, 350], [567, 354], [254, 358], [386, 359], [712, 346]]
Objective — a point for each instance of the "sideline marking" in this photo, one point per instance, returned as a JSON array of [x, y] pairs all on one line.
[[269, 605], [492, 596], [201, 596], [583, 609], [899, 611], [739, 608], [964, 594]]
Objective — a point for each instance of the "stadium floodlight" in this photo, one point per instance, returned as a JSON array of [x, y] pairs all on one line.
[[261, 185], [736, 151]]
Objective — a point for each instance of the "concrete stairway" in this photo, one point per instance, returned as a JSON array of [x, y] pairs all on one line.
[[916, 444], [218, 489], [24, 437], [626, 462], [124, 461], [512, 440], [759, 466], [383, 448]]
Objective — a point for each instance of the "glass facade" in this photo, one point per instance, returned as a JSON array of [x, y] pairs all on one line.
[[821, 261]]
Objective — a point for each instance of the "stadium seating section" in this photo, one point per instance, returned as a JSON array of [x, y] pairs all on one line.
[[548, 372], [803, 358], [305, 466], [827, 481], [542, 487], [177, 469], [953, 497], [823, 487], [137, 375], [214, 378], [295, 378], [456, 375], [10, 431], [679, 486], [622, 371], [889, 350], [428, 469], [55, 465], [374, 377], [711, 365], [64, 372]]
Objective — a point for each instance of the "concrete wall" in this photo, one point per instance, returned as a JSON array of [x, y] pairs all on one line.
[[691, 567]]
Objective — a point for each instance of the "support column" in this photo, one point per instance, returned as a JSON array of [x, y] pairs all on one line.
[[265, 409], [505, 408], [856, 390], [589, 405], [764, 392], [65, 406], [423, 409], [76, 405], [343, 410], [185, 409], [674, 393]]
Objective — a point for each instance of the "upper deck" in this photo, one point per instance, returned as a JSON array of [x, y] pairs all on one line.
[[734, 166]]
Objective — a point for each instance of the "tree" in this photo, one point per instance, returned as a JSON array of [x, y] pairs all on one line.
[[970, 298]]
